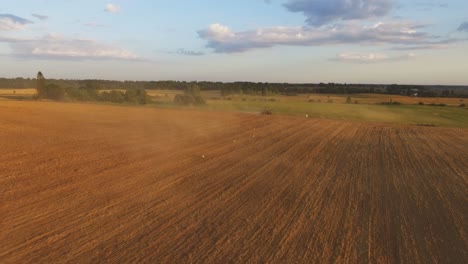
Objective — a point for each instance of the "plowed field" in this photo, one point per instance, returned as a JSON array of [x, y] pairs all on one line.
[[83, 183]]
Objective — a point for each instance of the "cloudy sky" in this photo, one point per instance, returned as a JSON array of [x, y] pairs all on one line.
[[354, 41]]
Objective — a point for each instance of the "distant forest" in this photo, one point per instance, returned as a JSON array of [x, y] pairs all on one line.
[[249, 88]]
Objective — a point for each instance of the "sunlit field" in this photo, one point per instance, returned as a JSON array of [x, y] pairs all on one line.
[[86, 182], [248, 131], [394, 114]]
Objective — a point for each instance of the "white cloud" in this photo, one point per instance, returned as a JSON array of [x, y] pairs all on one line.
[[111, 8], [219, 31], [54, 46], [11, 22], [362, 57], [370, 57], [320, 12], [223, 40]]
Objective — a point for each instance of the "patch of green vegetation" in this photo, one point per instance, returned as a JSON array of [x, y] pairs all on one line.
[[395, 114], [89, 93], [191, 96]]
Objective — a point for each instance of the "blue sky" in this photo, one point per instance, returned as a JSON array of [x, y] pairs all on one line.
[[354, 41]]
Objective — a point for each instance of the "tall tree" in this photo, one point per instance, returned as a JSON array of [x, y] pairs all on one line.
[[40, 84]]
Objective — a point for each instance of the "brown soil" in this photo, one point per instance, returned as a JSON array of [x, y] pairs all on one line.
[[83, 183]]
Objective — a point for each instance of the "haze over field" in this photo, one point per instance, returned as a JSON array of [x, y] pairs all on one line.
[[360, 41]]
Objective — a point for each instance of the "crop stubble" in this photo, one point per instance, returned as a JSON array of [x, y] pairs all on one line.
[[87, 183]]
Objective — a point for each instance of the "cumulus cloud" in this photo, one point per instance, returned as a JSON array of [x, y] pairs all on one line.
[[353, 57], [111, 8], [12, 22], [40, 17], [223, 40], [217, 32], [54, 46], [463, 27], [320, 12]]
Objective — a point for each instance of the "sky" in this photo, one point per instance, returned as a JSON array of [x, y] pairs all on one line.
[[296, 41]]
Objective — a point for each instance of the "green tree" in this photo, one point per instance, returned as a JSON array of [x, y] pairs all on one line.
[[40, 84]]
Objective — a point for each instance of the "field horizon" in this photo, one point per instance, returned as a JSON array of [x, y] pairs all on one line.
[[373, 108]]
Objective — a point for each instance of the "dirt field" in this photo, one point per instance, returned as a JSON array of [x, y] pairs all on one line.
[[84, 183], [16, 94]]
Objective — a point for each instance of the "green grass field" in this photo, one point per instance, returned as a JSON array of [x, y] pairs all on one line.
[[397, 114]]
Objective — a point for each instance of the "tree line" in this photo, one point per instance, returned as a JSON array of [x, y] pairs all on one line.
[[249, 88], [53, 91]]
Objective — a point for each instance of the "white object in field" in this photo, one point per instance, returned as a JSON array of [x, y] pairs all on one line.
[[203, 156], [307, 115]]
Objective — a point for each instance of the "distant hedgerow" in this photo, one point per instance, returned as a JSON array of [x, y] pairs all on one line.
[[192, 96]]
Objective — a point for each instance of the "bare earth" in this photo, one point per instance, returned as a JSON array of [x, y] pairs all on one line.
[[84, 183]]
